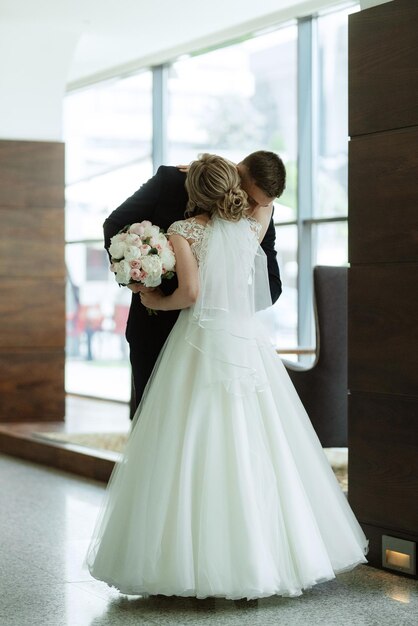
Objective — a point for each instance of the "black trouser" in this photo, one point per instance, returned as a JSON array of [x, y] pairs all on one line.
[[144, 350]]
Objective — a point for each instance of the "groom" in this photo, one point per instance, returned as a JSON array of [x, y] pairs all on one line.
[[162, 200]]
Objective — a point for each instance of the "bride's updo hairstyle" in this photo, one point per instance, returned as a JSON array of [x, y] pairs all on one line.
[[213, 185]]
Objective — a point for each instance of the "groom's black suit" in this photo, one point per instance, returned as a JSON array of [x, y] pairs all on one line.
[[162, 200]]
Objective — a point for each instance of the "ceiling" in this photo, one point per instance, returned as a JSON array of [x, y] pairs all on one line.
[[120, 35]]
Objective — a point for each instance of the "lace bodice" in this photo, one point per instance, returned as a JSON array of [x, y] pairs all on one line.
[[195, 232]]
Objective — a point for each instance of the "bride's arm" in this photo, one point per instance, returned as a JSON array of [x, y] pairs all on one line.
[[188, 278], [263, 215]]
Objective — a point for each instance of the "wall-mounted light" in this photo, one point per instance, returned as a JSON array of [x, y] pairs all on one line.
[[399, 554]]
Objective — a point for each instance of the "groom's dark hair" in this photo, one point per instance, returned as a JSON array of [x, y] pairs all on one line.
[[267, 171]]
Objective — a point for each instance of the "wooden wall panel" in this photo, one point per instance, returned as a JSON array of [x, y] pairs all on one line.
[[32, 313], [32, 245], [31, 174], [32, 385], [382, 328], [32, 281], [383, 277], [383, 77], [383, 452], [382, 197]]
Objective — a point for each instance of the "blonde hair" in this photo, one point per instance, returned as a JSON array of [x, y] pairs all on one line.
[[213, 185]]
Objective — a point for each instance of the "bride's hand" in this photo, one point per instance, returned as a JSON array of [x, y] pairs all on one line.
[[152, 299], [139, 288]]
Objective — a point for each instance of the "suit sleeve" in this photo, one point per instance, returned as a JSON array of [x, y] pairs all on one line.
[[268, 245], [140, 206]]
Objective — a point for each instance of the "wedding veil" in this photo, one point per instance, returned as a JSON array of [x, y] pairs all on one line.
[[233, 287]]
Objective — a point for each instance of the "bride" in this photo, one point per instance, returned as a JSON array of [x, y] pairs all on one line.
[[224, 489]]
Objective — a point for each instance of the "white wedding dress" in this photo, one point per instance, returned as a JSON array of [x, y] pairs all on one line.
[[224, 488]]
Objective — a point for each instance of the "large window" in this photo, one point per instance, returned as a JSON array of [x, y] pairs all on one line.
[[332, 35], [108, 134], [283, 90], [233, 101], [319, 227]]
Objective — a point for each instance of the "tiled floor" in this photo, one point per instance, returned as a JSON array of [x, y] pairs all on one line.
[[86, 414], [46, 519], [82, 415]]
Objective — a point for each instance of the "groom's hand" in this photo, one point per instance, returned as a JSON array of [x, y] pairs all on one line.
[[152, 300]]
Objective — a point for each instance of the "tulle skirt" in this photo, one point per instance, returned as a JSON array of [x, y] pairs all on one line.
[[221, 491]]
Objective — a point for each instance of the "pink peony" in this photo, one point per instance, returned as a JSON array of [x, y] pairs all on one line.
[[135, 273], [135, 264]]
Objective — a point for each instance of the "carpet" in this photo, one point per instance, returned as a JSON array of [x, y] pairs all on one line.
[[102, 441]]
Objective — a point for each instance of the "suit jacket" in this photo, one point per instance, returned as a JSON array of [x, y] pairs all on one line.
[[162, 200]]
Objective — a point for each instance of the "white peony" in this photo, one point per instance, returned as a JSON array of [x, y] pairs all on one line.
[[137, 229], [123, 272], [117, 247], [132, 240], [132, 253], [152, 265], [168, 259], [151, 231], [159, 240]]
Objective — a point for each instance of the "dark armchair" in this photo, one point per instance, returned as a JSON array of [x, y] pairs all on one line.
[[323, 386]]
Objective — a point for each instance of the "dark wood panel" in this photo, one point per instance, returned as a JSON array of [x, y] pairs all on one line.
[[383, 329], [383, 217], [383, 460], [32, 386], [383, 67], [374, 535], [31, 174], [32, 243], [32, 313]]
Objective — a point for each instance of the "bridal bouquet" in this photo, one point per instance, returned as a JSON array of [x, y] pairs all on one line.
[[141, 253]]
